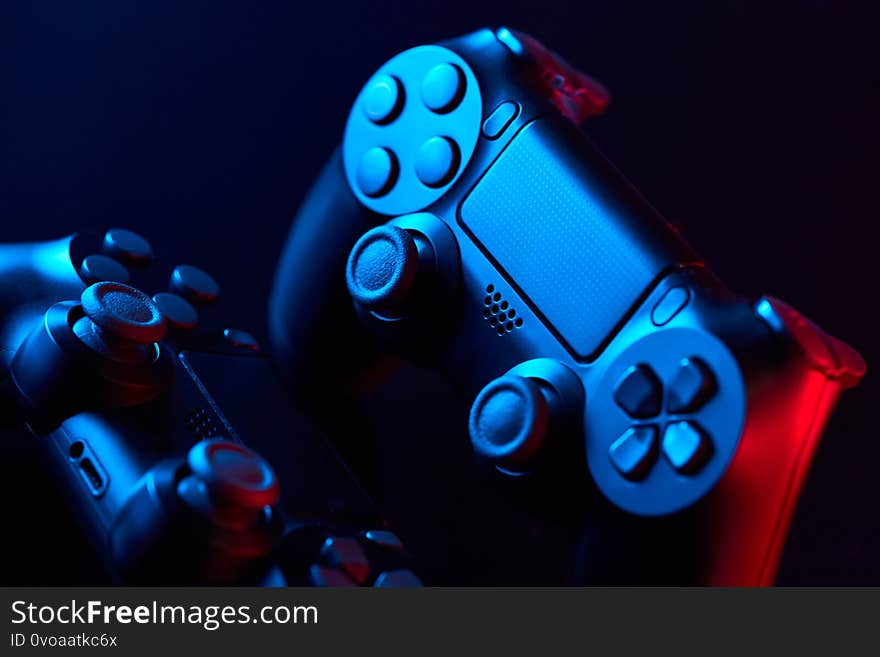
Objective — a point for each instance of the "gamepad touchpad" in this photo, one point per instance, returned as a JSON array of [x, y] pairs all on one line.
[[540, 215]]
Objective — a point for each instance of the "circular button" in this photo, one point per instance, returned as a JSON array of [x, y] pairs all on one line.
[[402, 105], [509, 420], [384, 538], [124, 312], [324, 576], [437, 161], [127, 245], [97, 268], [398, 579], [195, 284], [382, 267], [241, 339], [234, 473], [443, 88], [383, 99], [377, 172], [177, 310]]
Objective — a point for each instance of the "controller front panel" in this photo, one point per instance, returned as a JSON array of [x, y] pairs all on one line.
[[557, 253]]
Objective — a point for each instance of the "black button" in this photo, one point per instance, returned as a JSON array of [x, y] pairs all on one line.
[[670, 305], [177, 310], [377, 171], [398, 579], [383, 99], [384, 537], [686, 446], [195, 284], [639, 392], [240, 339], [635, 451], [443, 88], [347, 555], [323, 576], [127, 245], [691, 387], [498, 120], [97, 268]]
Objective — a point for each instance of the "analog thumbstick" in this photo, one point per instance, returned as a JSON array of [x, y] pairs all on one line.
[[123, 312], [233, 474], [382, 267], [520, 420], [509, 421]]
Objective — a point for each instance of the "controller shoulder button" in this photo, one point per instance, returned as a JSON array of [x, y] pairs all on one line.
[[127, 245], [437, 161], [383, 99], [686, 446], [195, 284], [825, 353], [691, 387], [177, 310], [639, 392], [672, 303], [96, 268], [635, 451], [498, 121], [347, 555], [398, 579], [443, 88]]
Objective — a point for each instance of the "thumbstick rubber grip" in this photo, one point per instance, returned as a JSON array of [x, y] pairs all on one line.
[[124, 312], [234, 473], [509, 420], [382, 267]]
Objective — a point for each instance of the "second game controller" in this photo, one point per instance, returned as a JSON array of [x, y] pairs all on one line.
[[151, 410], [467, 223]]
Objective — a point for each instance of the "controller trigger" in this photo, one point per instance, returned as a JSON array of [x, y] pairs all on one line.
[[577, 95]]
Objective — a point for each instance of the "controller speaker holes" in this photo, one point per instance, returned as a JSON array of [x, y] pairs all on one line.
[[201, 424], [500, 315]]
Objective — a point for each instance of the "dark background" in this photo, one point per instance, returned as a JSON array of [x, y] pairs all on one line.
[[752, 125]]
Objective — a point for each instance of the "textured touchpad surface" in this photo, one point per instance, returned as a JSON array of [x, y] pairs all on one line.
[[548, 219]]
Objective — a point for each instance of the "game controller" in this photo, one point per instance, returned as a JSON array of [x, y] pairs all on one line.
[[467, 223], [153, 412]]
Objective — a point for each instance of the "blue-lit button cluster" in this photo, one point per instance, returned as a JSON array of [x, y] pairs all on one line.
[[684, 443], [412, 130]]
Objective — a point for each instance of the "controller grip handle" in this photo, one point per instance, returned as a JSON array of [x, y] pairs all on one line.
[[313, 326], [35, 275]]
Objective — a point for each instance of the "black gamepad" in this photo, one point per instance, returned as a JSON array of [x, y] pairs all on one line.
[[466, 223], [154, 413]]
